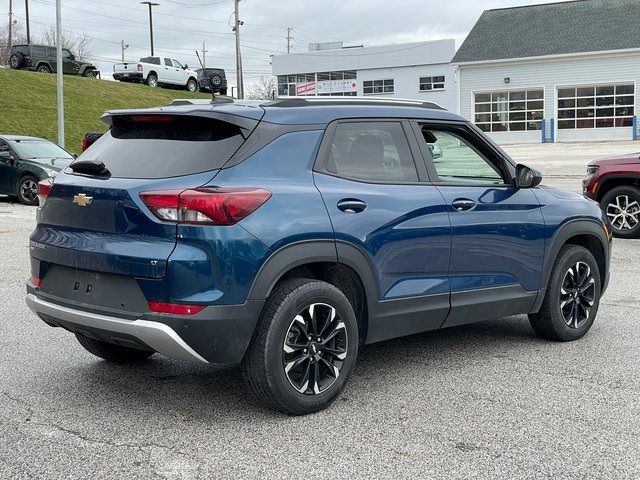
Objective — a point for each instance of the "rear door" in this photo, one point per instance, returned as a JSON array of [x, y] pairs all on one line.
[[497, 229], [98, 222], [380, 201]]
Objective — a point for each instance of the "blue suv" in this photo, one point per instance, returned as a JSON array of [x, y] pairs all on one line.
[[283, 236]]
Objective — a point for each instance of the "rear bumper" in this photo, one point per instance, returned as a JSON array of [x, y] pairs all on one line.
[[218, 334], [133, 76]]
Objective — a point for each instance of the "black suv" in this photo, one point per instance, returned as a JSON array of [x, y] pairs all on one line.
[[212, 79], [42, 58]]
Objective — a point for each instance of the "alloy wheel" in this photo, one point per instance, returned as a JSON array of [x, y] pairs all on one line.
[[577, 295], [314, 349], [29, 190], [623, 213]]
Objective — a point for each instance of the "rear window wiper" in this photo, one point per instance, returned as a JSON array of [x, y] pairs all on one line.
[[90, 167]]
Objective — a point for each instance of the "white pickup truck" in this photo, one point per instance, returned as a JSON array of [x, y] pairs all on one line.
[[157, 71]]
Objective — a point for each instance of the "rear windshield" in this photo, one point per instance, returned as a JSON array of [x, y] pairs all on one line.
[[173, 147]]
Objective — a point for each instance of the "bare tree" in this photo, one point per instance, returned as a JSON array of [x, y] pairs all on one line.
[[18, 37], [263, 89], [80, 45]]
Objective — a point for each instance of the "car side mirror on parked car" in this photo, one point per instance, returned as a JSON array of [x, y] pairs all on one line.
[[6, 155], [527, 177]]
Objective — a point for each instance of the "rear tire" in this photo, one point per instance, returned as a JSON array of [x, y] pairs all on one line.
[[572, 298], [152, 80], [304, 347], [111, 352], [621, 205], [27, 190], [16, 60], [43, 69]]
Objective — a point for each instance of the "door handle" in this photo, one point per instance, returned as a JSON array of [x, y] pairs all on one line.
[[352, 205], [463, 204]]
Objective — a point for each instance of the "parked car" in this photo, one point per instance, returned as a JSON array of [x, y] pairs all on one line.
[[615, 184], [293, 232], [212, 79], [89, 139], [43, 59], [157, 71], [26, 160]]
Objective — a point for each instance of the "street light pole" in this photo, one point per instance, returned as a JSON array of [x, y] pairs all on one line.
[[236, 29], [151, 5], [59, 88], [26, 12], [10, 26]]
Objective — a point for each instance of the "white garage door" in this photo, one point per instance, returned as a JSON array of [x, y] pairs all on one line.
[[595, 112]]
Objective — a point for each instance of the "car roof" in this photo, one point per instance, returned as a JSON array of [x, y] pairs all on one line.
[[10, 138], [304, 111]]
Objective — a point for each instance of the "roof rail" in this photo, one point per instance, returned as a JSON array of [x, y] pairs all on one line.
[[199, 101], [328, 100]]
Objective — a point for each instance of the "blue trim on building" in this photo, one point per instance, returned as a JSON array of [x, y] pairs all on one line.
[[634, 129]]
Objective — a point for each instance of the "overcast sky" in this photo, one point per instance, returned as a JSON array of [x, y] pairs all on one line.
[[180, 26]]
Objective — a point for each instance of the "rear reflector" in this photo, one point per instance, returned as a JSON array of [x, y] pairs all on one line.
[[36, 282], [175, 308], [205, 206], [44, 187]]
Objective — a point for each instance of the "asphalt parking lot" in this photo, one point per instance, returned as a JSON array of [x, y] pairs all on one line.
[[489, 400]]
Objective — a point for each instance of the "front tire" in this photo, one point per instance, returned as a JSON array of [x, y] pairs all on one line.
[[572, 298], [304, 348], [111, 352], [27, 190], [90, 73], [622, 207], [192, 85]]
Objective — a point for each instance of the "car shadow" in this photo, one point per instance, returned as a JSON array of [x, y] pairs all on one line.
[[203, 392]]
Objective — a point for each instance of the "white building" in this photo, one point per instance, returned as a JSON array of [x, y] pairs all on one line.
[[556, 72], [420, 71]]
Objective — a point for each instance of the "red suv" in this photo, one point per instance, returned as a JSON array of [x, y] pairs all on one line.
[[615, 183]]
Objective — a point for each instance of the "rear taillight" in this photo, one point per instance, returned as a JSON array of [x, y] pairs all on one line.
[[205, 206], [139, 67], [36, 282], [85, 143], [44, 187], [175, 308]]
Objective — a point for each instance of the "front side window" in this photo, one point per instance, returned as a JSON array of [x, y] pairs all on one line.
[[372, 151], [457, 162], [177, 64], [66, 53], [375, 87], [509, 111], [432, 83]]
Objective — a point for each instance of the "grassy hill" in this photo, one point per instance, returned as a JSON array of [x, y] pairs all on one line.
[[28, 103]]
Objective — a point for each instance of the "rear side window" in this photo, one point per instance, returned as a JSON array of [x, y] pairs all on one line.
[[372, 151], [178, 145], [38, 51]]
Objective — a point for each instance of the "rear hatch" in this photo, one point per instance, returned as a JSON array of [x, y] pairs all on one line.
[[93, 217]]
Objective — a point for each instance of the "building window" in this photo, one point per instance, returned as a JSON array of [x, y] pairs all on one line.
[[312, 84], [509, 111], [431, 83], [596, 106], [374, 87]]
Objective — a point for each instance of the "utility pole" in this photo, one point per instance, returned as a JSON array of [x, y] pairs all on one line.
[[151, 5], [289, 38], [123, 47], [204, 55], [10, 26], [59, 89], [26, 12], [236, 29]]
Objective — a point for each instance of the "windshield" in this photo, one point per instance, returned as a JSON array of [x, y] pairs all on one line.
[[39, 149]]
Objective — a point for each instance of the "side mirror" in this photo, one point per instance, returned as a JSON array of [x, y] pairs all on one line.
[[72, 57], [6, 155], [527, 177], [184, 67]]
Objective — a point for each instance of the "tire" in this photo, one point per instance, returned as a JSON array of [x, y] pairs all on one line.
[[192, 85], [621, 205], [286, 315], [111, 352], [43, 69], [89, 73], [16, 60], [152, 80], [554, 322], [27, 190], [215, 80]]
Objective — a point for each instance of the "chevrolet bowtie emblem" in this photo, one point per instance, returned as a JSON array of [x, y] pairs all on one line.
[[82, 200]]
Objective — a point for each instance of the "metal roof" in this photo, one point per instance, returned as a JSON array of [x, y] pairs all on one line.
[[578, 26]]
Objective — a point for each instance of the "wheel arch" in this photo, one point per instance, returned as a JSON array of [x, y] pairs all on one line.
[[586, 233], [612, 181], [43, 62], [350, 272]]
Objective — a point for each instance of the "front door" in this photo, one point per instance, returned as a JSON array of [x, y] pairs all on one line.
[[69, 64], [380, 202], [497, 229]]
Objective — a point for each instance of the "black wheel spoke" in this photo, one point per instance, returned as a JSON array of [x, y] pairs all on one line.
[[577, 294]]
